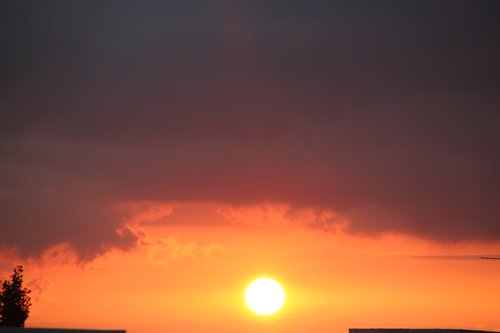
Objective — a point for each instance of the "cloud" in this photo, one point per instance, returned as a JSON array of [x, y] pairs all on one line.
[[57, 209], [38, 286], [282, 216], [366, 112], [192, 214], [449, 257], [172, 249]]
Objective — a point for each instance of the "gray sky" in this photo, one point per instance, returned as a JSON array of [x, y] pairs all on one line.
[[387, 112]]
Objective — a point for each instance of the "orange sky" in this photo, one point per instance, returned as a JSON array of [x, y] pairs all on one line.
[[185, 277], [156, 156]]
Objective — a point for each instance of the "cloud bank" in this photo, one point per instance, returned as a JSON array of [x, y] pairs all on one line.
[[384, 113]]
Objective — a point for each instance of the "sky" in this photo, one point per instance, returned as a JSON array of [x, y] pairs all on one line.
[[155, 157]]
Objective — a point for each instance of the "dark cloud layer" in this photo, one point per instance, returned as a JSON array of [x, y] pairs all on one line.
[[387, 112]]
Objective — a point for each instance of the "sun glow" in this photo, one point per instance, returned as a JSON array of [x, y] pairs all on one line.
[[264, 296]]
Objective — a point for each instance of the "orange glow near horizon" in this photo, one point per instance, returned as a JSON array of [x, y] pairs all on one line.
[[189, 276]]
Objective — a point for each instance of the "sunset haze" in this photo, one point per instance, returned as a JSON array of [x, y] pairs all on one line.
[[157, 157]]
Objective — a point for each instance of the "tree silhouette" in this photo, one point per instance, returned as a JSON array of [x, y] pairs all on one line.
[[14, 300]]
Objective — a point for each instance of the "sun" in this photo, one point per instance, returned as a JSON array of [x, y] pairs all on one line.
[[264, 296]]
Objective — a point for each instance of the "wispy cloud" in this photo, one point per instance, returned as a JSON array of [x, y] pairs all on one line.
[[454, 257]]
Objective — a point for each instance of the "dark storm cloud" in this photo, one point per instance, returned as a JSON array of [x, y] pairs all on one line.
[[386, 112]]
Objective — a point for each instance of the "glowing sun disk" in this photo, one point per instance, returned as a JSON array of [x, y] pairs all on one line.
[[264, 296]]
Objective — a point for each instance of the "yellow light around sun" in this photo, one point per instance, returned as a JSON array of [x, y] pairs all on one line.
[[264, 296]]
